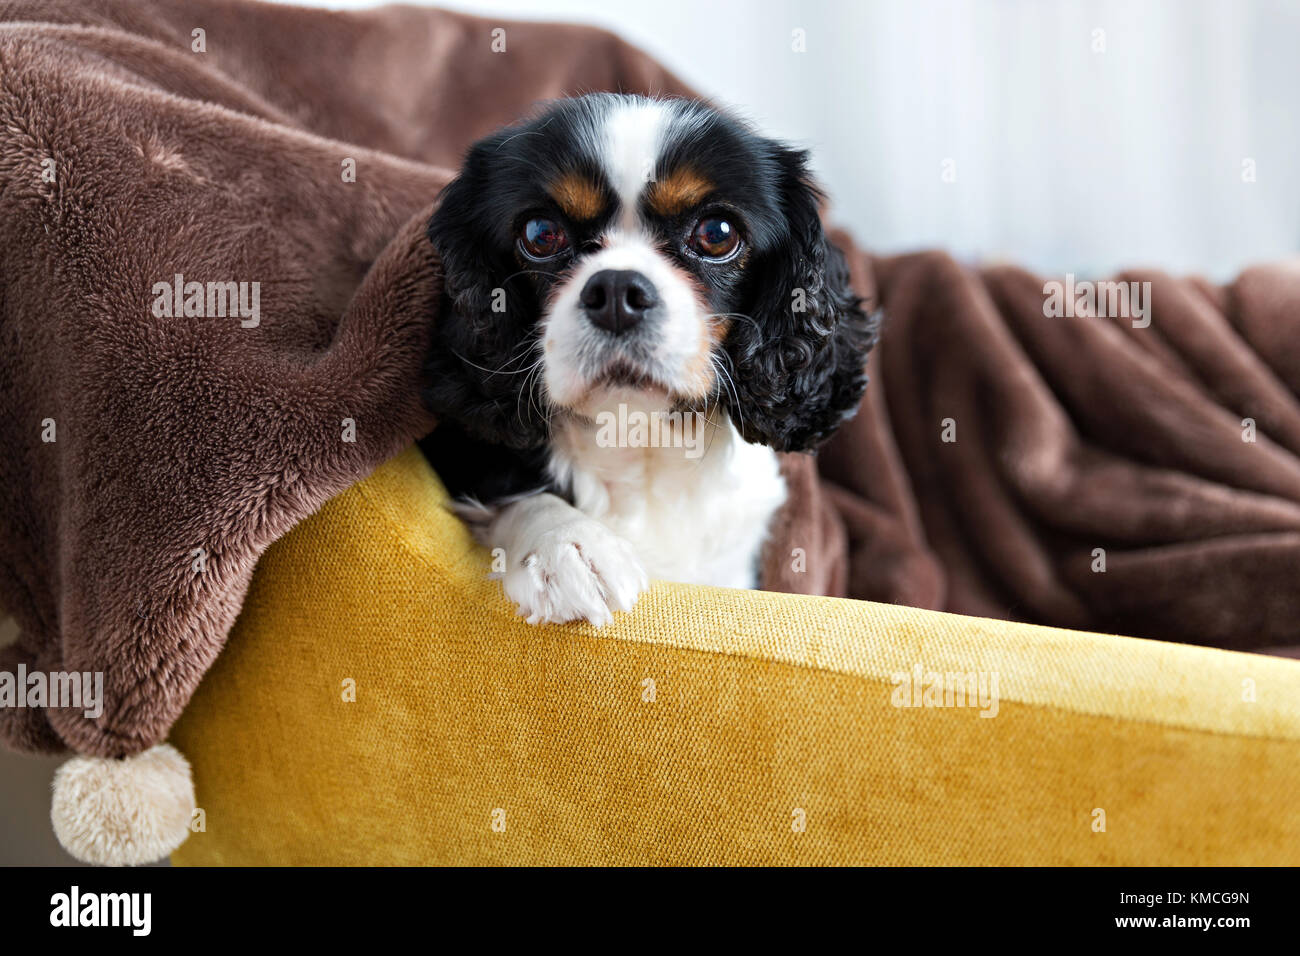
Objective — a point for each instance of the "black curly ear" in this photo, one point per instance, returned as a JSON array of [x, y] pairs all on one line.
[[477, 370], [800, 366]]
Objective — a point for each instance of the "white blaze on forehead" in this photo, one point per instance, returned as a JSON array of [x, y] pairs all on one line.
[[628, 135], [633, 136]]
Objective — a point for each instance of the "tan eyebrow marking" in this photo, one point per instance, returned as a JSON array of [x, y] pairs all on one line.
[[579, 197], [677, 192]]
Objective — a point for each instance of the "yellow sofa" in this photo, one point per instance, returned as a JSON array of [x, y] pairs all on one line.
[[708, 727]]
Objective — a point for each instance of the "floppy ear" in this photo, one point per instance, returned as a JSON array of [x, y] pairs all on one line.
[[477, 372], [800, 367]]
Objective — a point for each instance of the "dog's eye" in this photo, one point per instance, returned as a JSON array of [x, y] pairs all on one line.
[[714, 238], [543, 238]]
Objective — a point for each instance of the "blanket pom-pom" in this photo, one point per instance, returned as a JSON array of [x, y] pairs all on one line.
[[123, 812]]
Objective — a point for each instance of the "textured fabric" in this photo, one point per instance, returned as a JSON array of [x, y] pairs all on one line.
[[765, 705], [151, 456], [1001, 453], [188, 439]]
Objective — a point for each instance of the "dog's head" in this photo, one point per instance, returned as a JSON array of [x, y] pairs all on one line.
[[654, 252]]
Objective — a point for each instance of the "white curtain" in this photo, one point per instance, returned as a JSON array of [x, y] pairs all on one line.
[[1067, 136]]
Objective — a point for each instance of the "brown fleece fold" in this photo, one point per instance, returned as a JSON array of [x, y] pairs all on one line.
[[174, 434], [183, 446], [1081, 443]]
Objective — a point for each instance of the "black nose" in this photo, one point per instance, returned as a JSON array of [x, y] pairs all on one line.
[[618, 299]]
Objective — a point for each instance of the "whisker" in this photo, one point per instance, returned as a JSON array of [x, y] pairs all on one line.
[[530, 272], [530, 386], [530, 342], [525, 132], [489, 371], [736, 315], [729, 381], [527, 388]]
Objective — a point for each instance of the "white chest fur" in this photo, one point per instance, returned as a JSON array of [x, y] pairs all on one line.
[[695, 511]]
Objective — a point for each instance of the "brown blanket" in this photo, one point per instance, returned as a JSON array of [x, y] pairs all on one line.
[[1132, 475], [158, 434]]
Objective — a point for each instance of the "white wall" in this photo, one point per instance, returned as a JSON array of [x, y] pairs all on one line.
[[1065, 158]]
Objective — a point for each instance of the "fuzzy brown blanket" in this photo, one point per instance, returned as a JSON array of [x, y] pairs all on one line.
[[215, 295]]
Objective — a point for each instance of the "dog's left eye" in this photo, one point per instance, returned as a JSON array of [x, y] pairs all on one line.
[[543, 238], [714, 238]]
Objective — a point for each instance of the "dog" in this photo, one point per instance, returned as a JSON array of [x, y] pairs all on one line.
[[639, 310]]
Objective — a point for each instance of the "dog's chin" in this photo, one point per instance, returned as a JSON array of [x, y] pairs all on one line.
[[610, 396], [622, 385]]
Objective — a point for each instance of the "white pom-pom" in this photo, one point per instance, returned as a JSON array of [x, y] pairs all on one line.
[[123, 812]]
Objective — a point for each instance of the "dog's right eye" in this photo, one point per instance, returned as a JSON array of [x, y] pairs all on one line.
[[543, 238]]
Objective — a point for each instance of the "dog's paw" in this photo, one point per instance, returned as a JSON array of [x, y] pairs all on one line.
[[577, 571]]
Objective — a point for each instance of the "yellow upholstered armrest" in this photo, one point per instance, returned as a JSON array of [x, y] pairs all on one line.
[[709, 726]]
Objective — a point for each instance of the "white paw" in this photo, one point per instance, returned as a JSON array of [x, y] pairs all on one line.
[[576, 571]]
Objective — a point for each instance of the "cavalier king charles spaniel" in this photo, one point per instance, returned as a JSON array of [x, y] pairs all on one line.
[[639, 310]]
